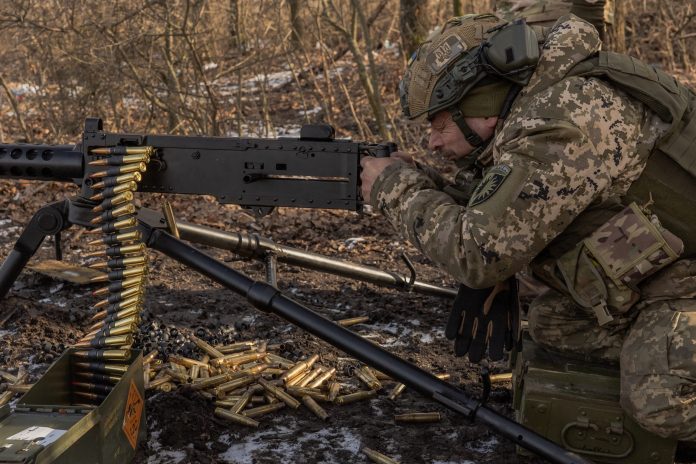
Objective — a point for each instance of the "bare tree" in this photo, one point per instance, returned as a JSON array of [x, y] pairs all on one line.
[[296, 25], [414, 24]]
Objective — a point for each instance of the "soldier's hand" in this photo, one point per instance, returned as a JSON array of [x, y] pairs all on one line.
[[484, 321], [372, 167]]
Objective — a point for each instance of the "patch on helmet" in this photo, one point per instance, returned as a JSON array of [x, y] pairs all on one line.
[[441, 55], [490, 184]]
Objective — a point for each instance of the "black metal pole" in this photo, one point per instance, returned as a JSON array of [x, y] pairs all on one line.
[[269, 299]]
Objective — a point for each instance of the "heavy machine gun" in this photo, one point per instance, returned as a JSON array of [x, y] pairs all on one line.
[[314, 171]]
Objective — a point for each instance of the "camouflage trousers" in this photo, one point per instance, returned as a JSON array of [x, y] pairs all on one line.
[[654, 342]]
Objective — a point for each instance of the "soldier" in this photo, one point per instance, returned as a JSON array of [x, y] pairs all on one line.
[[576, 162]]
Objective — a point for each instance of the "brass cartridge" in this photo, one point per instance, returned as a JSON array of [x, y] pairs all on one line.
[[313, 374], [113, 227], [117, 239], [396, 391], [186, 362], [114, 181], [212, 352], [104, 324], [418, 417], [220, 390], [110, 215], [236, 347], [315, 408], [228, 402], [378, 457], [117, 160], [280, 394], [148, 358], [108, 368], [210, 382], [501, 378], [366, 376], [299, 392], [93, 387], [238, 359], [19, 387], [357, 396], [334, 390], [284, 363], [120, 296], [322, 378], [98, 378], [120, 274], [353, 321], [299, 368], [157, 382], [126, 308], [238, 418], [108, 355], [5, 397], [119, 170], [167, 387], [11, 378], [242, 402], [115, 190], [110, 332], [110, 252], [182, 377], [262, 410], [122, 150], [123, 197], [121, 263], [120, 285], [106, 342]]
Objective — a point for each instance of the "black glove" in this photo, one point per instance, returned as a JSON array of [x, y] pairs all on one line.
[[485, 319]]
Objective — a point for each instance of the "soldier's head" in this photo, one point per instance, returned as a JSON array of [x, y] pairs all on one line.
[[463, 77]]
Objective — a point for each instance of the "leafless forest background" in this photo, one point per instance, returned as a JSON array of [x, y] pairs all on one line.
[[237, 67]]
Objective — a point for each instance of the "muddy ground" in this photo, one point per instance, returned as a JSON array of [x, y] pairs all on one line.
[[181, 427]]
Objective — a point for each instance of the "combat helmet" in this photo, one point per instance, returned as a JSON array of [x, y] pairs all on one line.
[[466, 54]]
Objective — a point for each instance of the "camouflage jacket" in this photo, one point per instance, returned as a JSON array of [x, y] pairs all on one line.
[[562, 159]]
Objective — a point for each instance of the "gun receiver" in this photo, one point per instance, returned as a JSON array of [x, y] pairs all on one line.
[[312, 171]]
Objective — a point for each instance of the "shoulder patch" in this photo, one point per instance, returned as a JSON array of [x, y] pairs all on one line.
[[490, 184]]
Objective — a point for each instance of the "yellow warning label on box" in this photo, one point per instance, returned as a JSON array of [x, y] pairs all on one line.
[[132, 415]]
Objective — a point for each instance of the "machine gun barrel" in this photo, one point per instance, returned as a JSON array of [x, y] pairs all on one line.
[[62, 163]]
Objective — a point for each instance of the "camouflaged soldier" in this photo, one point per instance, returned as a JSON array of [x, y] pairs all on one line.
[[578, 163]]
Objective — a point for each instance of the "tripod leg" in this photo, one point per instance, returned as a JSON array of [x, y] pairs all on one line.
[[49, 220]]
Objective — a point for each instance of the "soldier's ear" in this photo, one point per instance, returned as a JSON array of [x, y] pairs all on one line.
[[490, 122]]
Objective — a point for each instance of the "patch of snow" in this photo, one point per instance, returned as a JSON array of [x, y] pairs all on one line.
[[209, 66], [315, 110], [23, 89], [484, 446], [163, 456]]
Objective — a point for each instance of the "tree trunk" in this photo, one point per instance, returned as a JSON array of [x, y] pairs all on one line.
[[296, 23], [457, 8], [616, 32], [414, 24]]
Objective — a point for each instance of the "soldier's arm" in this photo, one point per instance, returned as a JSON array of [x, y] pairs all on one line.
[[544, 178]]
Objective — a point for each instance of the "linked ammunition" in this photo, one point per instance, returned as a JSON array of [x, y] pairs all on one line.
[[108, 203], [5, 397], [110, 355], [117, 239], [122, 150], [119, 170], [89, 396], [315, 408], [98, 378], [118, 251], [280, 394], [353, 321], [108, 324], [118, 160], [102, 367], [299, 368], [115, 298], [418, 417], [112, 214], [212, 352], [115, 226], [93, 387], [106, 342], [110, 331], [262, 410], [378, 457], [109, 192], [238, 418], [334, 390], [322, 378], [114, 181], [120, 274], [19, 387], [357, 396], [121, 309], [117, 286]]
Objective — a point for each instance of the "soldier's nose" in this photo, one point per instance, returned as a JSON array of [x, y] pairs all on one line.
[[435, 141]]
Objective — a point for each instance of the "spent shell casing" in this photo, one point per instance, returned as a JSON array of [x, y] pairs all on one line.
[[120, 285], [242, 402], [109, 192], [314, 407], [353, 321], [148, 358], [93, 387], [105, 355], [299, 368], [280, 394], [115, 213], [378, 457], [236, 347], [167, 387], [5, 397], [118, 297], [118, 239], [500, 378], [118, 160], [357, 396], [119, 170], [311, 375], [117, 180], [228, 402], [418, 417], [334, 390], [396, 391], [182, 377], [263, 410], [106, 342], [365, 375], [220, 390], [206, 347], [239, 359], [299, 392], [186, 362], [316, 383], [11, 378], [120, 274], [238, 418], [107, 368], [119, 199], [122, 150], [115, 226], [98, 378], [121, 262], [211, 382], [284, 363], [157, 382], [19, 387]]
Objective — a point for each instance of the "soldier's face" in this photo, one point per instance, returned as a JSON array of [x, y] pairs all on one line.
[[446, 137]]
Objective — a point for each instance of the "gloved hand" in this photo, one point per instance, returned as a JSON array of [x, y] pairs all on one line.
[[485, 320]]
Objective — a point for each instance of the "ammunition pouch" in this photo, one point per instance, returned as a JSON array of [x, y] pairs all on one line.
[[603, 272]]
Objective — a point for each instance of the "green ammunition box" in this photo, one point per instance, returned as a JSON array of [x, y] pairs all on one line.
[[50, 425], [575, 403]]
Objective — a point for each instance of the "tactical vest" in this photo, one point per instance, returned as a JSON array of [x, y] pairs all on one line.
[[669, 179]]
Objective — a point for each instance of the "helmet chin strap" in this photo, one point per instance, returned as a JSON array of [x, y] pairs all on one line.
[[470, 135]]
